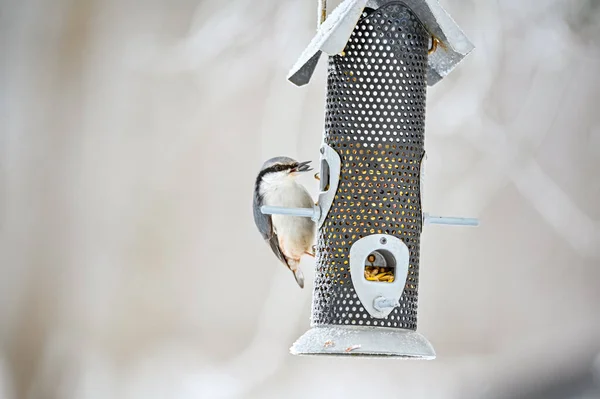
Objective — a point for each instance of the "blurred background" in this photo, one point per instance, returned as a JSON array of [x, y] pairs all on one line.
[[130, 266]]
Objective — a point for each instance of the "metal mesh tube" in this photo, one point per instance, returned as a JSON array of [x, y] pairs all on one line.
[[375, 118]]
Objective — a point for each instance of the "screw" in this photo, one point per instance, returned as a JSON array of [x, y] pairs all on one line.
[[383, 240]]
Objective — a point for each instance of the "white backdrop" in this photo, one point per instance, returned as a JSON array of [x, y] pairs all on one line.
[[131, 132]]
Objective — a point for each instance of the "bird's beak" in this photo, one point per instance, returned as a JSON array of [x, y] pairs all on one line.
[[302, 167]]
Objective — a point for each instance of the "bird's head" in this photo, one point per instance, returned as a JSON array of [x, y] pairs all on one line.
[[282, 168]]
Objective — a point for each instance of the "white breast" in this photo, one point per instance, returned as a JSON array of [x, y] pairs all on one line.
[[295, 233]]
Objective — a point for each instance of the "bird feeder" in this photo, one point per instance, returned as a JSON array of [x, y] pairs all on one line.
[[382, 56]]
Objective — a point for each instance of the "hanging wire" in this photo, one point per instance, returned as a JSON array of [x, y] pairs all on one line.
[[322, 10]]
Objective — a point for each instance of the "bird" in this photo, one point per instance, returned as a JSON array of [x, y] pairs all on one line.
[[290, 237]]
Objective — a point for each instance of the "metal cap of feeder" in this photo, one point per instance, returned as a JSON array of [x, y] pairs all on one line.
[[369, 213], [364, 341], [451, 43]]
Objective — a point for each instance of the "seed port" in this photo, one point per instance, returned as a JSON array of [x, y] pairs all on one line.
[[324, 176], [380, 266]]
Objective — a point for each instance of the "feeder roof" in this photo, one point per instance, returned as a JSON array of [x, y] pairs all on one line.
[[335, 32]]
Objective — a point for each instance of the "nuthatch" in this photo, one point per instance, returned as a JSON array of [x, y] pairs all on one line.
[[290, 237]]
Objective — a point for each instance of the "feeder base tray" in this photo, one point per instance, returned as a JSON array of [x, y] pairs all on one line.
[[363, 341]]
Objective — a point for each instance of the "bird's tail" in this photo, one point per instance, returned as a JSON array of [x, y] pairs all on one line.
[[294, 266], [299, 277]]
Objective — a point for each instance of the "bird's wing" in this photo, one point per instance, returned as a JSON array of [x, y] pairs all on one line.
[[274, 243], [265, 226]]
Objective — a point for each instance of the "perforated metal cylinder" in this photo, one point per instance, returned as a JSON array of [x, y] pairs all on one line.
[[375, 118]]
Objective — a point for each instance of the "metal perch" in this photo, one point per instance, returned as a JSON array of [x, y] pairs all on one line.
[[314, 214]]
